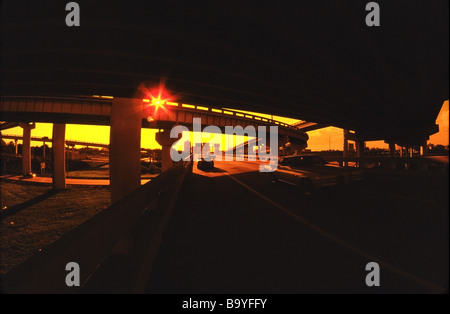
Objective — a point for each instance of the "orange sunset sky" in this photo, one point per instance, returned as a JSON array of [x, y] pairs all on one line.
[[322, 139]]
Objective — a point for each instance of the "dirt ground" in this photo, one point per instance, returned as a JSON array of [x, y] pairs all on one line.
[[33, 216]]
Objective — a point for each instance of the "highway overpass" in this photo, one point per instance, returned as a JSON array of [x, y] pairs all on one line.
[[316, 61], [126, 116], [313, 61]]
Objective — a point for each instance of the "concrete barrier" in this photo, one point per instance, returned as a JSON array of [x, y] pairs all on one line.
[[91, 245]]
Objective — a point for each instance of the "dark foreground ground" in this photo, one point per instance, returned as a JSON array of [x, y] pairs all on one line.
[[234, 231]]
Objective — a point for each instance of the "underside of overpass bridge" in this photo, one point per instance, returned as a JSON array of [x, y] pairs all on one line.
[[126, 117], [384, 82]]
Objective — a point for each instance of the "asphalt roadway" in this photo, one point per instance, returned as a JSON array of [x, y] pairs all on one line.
[[235, 231]]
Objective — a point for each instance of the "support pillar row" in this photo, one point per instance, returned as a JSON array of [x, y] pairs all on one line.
[[59, 156]]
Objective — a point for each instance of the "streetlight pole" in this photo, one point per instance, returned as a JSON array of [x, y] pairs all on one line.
[[43, 156]]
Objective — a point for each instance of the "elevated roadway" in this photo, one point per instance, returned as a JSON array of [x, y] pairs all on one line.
[[95, 110]]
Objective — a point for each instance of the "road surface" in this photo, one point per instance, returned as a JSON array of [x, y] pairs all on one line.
[[233, 230]]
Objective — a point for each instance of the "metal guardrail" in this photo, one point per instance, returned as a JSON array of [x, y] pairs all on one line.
[[400, 163], [137, 220]]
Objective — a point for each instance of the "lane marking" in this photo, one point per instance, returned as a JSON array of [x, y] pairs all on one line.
[[423, 282], [287, 182]]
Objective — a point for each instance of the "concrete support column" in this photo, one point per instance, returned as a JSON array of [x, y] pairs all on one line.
[[424, 153], [360, 145], [424, 148], [16, 146], [59, 156], [26, 146], [345, 148], [402, 151], [163, 138], [407, 155], [218, 154], [282, 141], [391, 150], [196, 152], [391, 155], [125, 147]]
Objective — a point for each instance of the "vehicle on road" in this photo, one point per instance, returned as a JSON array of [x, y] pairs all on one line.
[[28, 175], [312, 172], [204, 164]]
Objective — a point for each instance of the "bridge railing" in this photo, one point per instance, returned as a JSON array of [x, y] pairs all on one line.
[[129, 230], [49, 140], [229, 112]]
